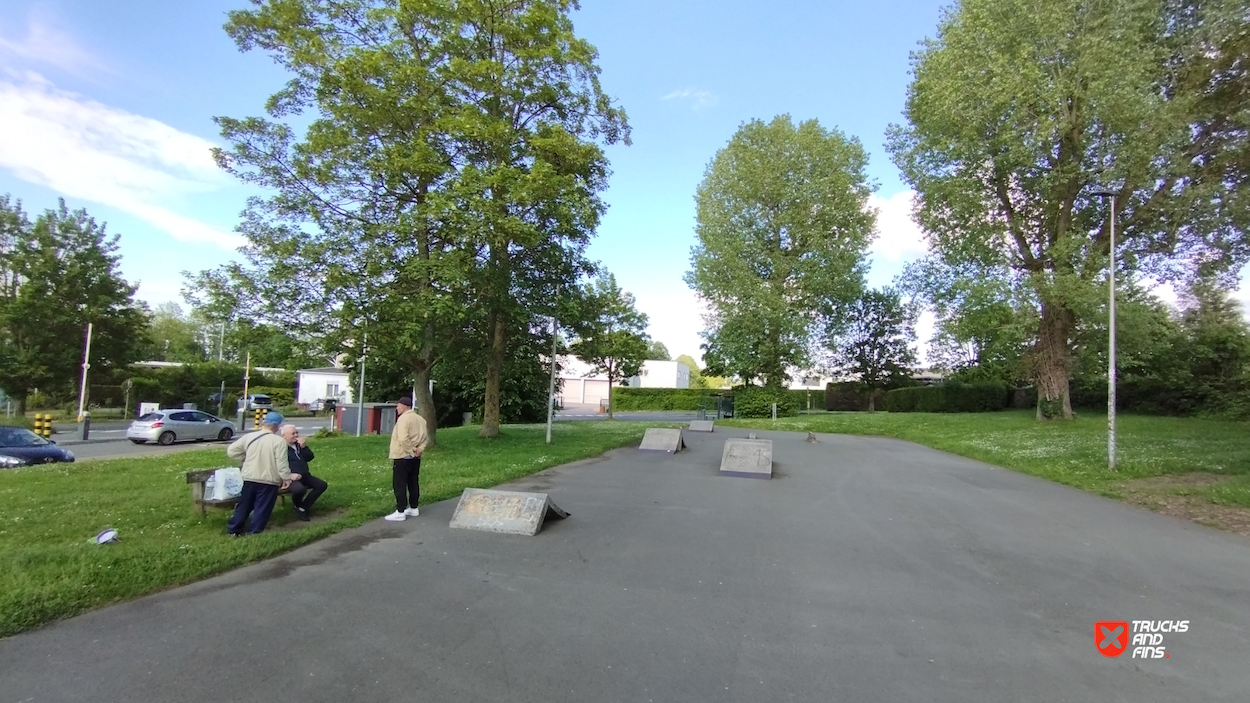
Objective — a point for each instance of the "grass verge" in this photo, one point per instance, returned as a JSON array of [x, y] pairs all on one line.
[[51, 568], [1073, 453]]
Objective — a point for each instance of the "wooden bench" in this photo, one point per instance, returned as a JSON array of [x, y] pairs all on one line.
[[197, 479]]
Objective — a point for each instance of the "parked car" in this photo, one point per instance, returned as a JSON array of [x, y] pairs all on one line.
[[21, 447], [259, 400], [169, 426]]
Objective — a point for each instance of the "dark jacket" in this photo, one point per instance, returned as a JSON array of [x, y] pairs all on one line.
[[298, 457]]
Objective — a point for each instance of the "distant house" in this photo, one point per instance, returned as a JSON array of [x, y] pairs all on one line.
[[661, 374], [322, 384], [579, 383]]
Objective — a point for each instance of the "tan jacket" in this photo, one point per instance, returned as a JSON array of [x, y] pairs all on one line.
[[408, 438], [264, 457]]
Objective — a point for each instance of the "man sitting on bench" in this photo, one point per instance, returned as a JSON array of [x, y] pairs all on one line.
[[308, 488], [265, 472]]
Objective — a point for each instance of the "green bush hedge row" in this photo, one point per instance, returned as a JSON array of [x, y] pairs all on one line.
[[756, 401], [951, 397], [658, 398]]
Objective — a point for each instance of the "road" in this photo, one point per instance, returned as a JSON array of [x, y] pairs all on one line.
[[869, 570], [108, 440]]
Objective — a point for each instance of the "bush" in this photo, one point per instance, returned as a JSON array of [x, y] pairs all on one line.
[[15, 421], [852, 397], [757, 401], [809, 400], [950, 397], [281, 397], [659, 398]]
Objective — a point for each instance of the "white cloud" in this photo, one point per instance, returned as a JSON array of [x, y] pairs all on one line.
[[899, 238], [699, 99], [44, 43], [675, 317], [84, 149]]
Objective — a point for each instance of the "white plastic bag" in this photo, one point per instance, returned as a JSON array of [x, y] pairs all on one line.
[[224, 484]]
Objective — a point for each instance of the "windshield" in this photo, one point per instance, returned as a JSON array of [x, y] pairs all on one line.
[[19, 437]]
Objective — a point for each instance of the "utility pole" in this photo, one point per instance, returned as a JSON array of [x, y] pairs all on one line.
[[82, 391], [360, 398], [221, 341], [551, 388], [247, 372]]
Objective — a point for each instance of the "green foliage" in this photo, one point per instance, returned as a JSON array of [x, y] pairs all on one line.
[[949, 397], [58, 274], [624, 399], [873, 345], [808, 399], [783, 227], [449, 175], [851, 397], [1020, 110], [757, 401], [49, 512], [611, 332], [657, 351], [279, 396]]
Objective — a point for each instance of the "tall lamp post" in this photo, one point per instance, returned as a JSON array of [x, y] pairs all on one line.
[[1108, 193]]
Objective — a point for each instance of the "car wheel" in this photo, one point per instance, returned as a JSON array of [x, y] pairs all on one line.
[[225, 434], [139, 441], [166, 438]]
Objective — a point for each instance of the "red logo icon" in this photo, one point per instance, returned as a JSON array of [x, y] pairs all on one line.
[[1111, 638]]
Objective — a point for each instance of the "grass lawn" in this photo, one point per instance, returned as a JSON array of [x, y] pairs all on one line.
[[1073, 453], [51, 568]]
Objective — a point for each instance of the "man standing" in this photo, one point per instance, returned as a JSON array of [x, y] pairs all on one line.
[[308, 488], [408, 441], [265, 472]]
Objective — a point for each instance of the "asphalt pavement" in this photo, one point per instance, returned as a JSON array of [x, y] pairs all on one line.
[[868, 569], [108, 439]]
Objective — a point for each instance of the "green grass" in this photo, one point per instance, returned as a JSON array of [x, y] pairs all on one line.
[[1072, 453], [50, 568]]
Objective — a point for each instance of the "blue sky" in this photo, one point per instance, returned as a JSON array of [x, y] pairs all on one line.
[[110, 105]]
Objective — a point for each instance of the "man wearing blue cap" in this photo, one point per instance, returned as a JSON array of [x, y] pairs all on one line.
[[265, 472]]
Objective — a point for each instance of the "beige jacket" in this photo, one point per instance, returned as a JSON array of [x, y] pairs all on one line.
[[408, 438], [264, 457]]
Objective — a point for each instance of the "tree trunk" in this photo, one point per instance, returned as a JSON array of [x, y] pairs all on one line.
[[21, 405], [425, 402], [1052, 362], [610, 381], [496, 328], [872, 399]]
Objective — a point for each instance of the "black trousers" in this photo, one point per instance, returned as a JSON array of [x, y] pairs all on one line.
[[406, 472], [307, 490], [257, 499]]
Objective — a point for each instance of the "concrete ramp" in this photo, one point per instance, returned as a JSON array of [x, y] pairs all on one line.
[[660, 440], [747, 458], [700, 426], [506, 512]]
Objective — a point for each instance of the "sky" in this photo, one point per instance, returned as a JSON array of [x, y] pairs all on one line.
[[110, 105]]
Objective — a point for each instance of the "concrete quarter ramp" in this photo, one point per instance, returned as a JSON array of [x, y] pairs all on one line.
[[661, 440], [700, 426], [747, 458], [507, 512]]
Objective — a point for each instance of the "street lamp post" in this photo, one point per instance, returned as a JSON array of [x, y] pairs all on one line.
[[1108, 193]]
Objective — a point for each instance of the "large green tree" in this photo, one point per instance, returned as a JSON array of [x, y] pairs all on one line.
[[57, 274], [531, 120], [1019, 110], [783, 225], [612, 334], [874, 345]]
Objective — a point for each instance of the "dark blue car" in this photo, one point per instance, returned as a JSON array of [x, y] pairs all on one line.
[[21, 447]]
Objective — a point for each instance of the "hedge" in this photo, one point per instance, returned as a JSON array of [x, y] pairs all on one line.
[[852, 397], [814, 397], [756, 401], [659, 398], [950, 397]]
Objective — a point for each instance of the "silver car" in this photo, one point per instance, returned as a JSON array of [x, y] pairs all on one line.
[[169, 426]]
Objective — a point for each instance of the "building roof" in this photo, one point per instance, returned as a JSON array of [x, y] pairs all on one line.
[[327, 369]]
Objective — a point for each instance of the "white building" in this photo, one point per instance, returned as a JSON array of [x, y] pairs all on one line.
[[661, 374], [323, 384]]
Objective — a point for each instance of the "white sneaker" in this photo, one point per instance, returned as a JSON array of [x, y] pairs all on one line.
[[412, 512], [395, 517]]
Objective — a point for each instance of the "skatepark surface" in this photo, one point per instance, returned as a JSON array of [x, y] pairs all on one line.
[[867, 569]]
